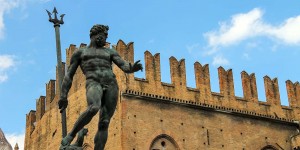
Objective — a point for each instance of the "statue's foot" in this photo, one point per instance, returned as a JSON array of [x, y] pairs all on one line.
[[66, 141]]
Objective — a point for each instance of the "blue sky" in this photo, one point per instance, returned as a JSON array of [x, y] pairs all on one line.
[[261, 37]]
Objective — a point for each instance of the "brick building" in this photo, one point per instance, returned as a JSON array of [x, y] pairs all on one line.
[[152, 115]]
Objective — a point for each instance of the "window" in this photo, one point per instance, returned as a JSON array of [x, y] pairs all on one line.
[[269, 147], [164, 142]]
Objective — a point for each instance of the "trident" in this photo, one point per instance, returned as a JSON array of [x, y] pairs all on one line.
[[57, 24]]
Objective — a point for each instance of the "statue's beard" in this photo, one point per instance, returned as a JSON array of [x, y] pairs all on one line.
[[100, 41]]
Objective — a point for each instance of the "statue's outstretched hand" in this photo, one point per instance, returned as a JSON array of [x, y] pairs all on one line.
[[62, 104], [137, 66]]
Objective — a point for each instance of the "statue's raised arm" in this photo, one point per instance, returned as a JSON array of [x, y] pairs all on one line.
[[125, 66]]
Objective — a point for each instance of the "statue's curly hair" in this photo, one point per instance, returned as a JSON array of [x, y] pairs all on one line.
[[97, 28]]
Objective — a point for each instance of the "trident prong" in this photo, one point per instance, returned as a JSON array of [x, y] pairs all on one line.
[[62, 18], [55, 12], [49, 14], [55, 20]]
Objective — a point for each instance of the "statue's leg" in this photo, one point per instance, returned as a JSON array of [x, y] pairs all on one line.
[[94, 94], [109, 103]]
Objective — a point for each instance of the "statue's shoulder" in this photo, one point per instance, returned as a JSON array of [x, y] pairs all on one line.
[[78, 52], [111, 50], [82, 49]]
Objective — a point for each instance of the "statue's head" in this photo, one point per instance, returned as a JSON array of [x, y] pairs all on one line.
[[98, 34]]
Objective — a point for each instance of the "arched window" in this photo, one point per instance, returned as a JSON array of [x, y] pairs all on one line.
[[269, 147], [163, 142]]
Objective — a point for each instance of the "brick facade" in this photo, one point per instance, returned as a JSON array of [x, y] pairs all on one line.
[[151, 114]]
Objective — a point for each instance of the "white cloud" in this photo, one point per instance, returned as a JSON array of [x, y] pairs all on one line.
[[249, 25], [16, 138], [5, 7], [192, 47], [6, 62], [219, 60], [288, 31], [246, 56], [3, 77]]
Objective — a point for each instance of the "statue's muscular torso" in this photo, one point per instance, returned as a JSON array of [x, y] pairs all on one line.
[[96, 65]]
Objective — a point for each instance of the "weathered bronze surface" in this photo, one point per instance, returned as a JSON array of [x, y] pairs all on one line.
[[95, 61], [79, 142]]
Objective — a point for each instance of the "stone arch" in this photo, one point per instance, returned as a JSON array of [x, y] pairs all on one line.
[[163, 141], [87, 146], [269, 147]]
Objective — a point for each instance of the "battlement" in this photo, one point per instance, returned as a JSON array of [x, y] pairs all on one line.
[[178, 89], [30, 120], [249, 86], [40, 107], [293, 92], [202, 93], [43, 125], [50, 93]]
